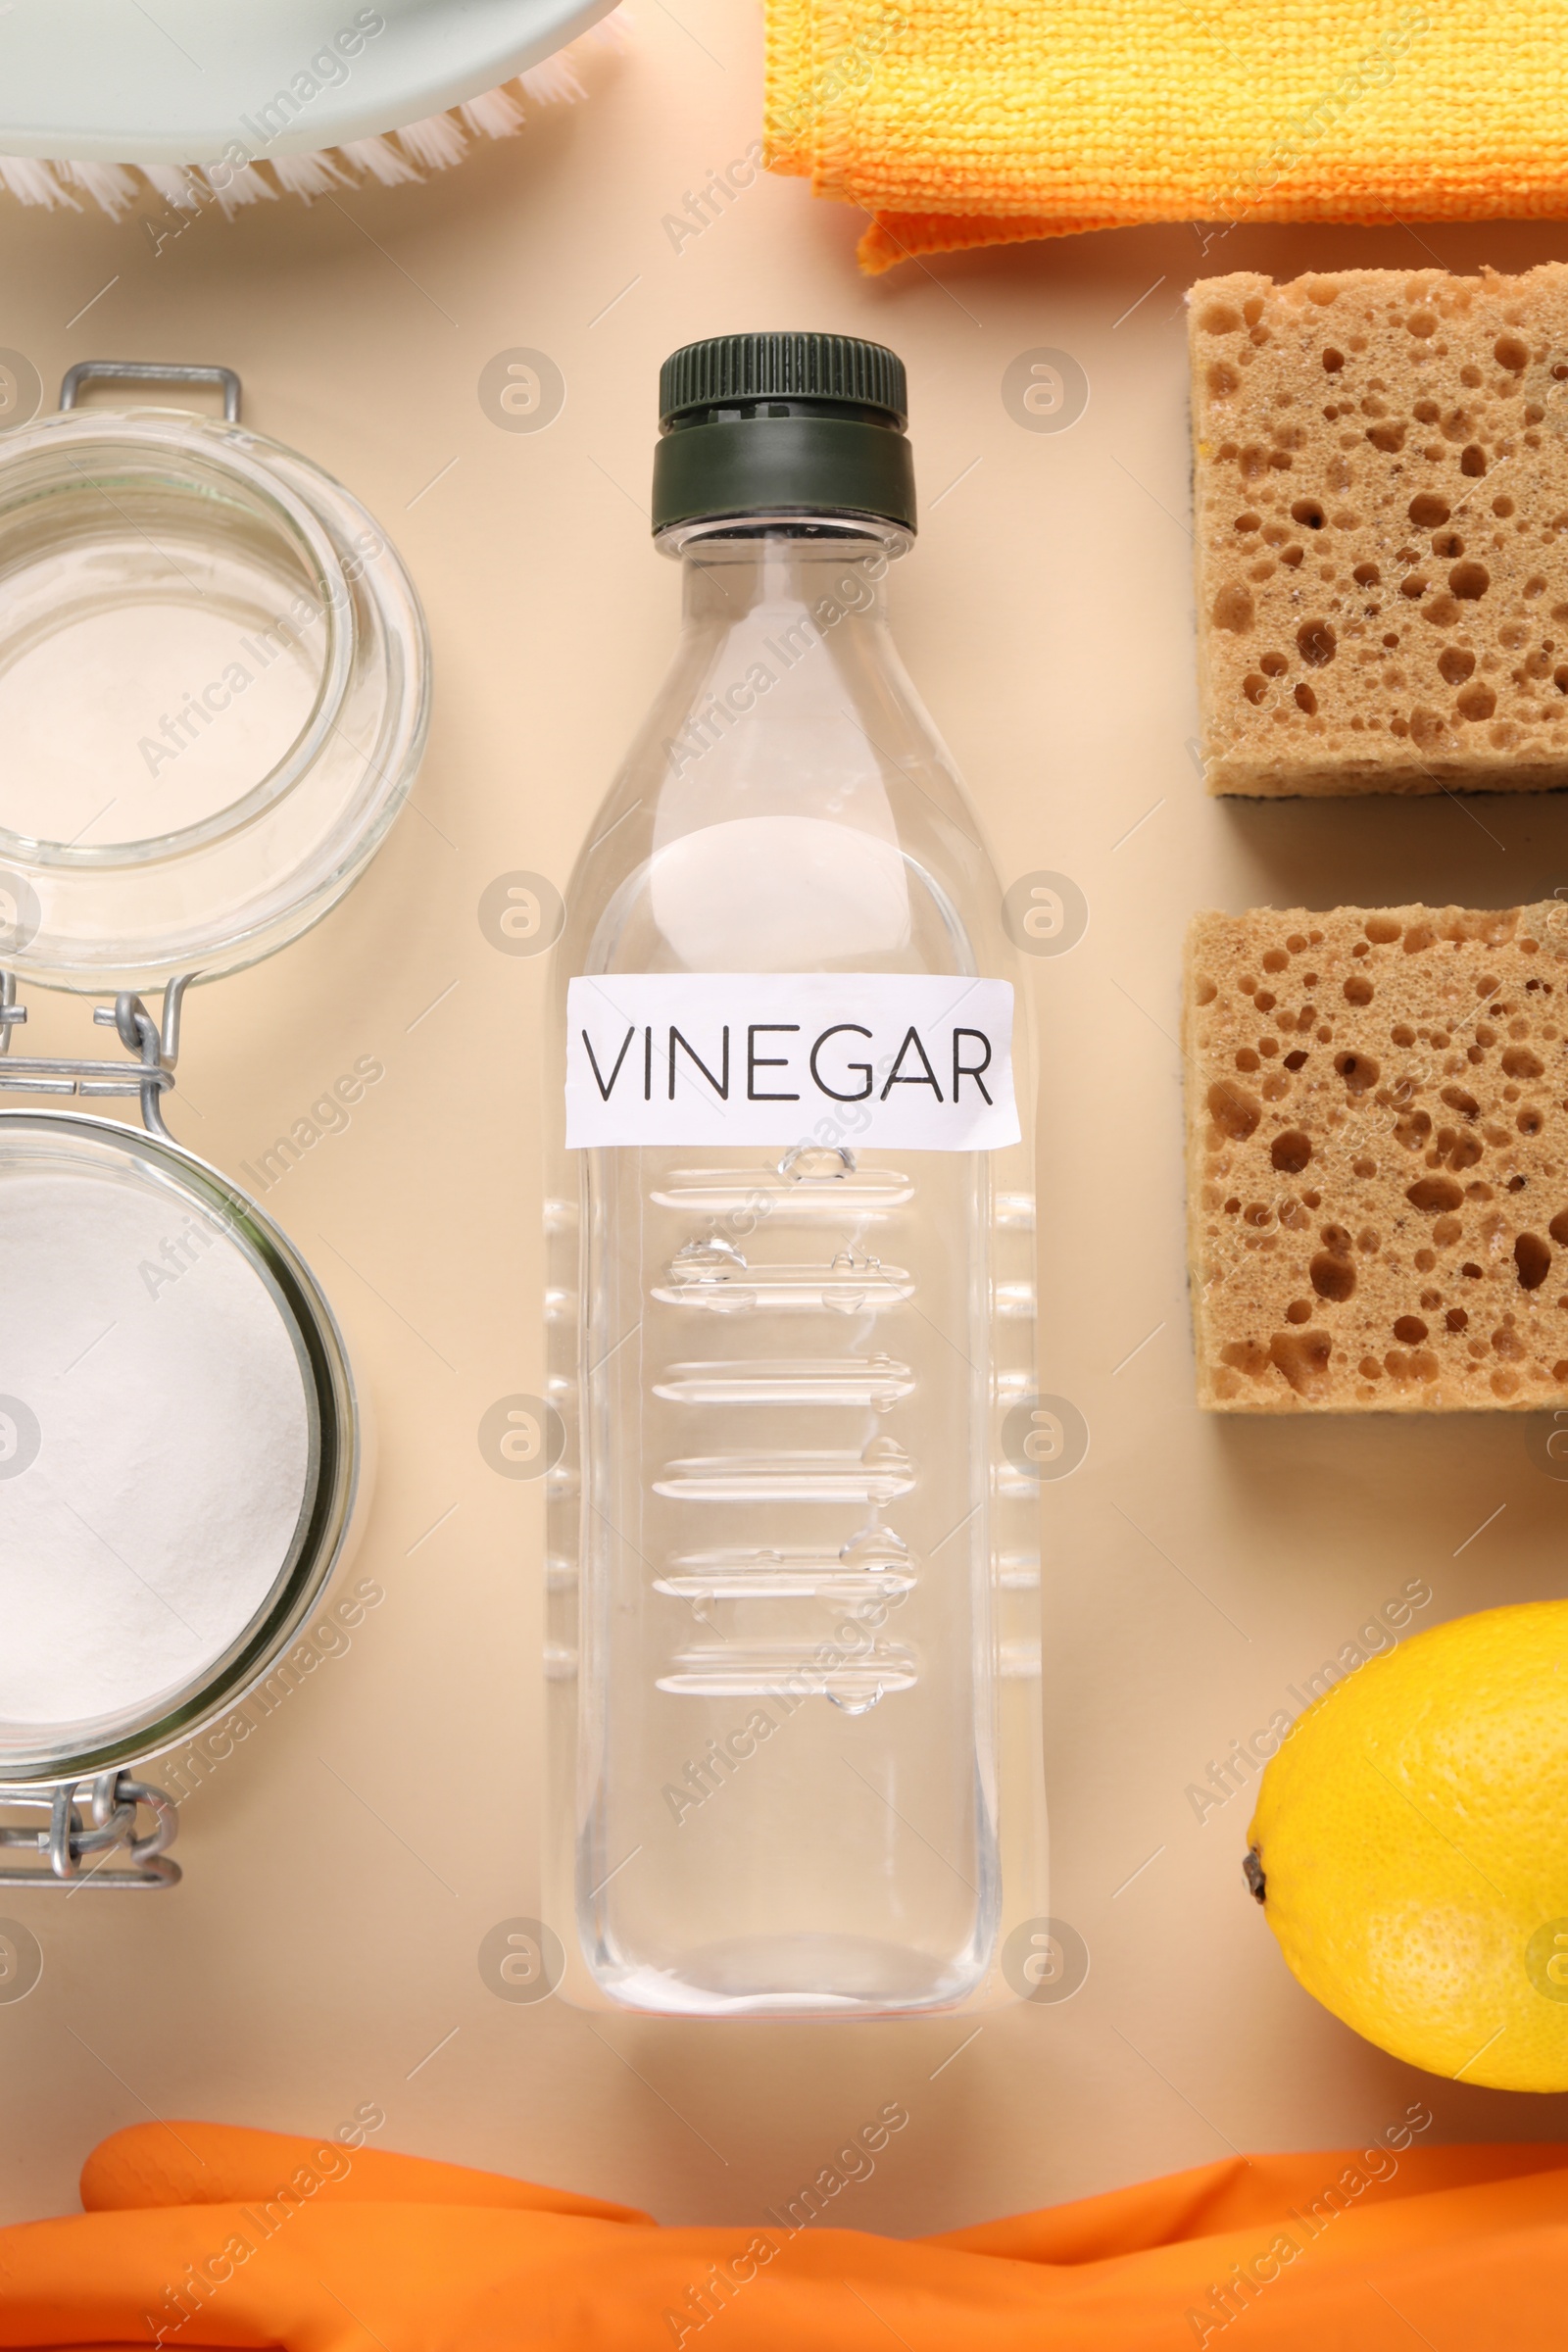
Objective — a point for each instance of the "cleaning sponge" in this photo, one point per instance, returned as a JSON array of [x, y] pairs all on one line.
[[1377, 1158], [1381, 493]]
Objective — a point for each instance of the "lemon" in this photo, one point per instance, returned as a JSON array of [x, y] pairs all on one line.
[[1411, 1843]]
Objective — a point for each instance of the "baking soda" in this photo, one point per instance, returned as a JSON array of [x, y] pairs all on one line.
[[155, 1444]]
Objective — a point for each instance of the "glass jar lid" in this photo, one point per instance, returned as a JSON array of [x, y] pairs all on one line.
[[215, 688], [179, 1446]]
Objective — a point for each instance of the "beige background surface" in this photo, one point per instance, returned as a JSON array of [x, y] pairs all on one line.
[[342, 1869]]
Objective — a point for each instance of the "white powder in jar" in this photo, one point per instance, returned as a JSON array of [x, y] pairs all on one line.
[[155, 1439]]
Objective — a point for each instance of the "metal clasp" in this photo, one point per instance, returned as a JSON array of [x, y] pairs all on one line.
[[87, 1819], [150, 372], [155, 1045]]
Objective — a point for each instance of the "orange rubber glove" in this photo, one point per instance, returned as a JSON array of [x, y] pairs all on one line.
[[204, 2235]]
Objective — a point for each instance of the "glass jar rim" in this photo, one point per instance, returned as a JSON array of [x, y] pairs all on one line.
[[236, 883], [223, 450], [332, 1484]]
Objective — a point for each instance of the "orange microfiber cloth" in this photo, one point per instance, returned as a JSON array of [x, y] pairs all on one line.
[[201, 2234], [961, 122]]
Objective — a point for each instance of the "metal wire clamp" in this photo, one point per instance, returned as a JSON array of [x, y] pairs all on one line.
[[84, 1822], [155, 1045]]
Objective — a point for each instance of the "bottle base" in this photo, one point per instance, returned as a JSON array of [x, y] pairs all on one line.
[[792, 1976]]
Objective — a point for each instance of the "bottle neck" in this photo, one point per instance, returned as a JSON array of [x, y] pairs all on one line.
[[833, 569]]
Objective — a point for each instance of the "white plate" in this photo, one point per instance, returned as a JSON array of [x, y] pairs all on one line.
[[177, 82]]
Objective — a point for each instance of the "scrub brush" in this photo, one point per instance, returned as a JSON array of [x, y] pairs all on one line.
[[391, 158]]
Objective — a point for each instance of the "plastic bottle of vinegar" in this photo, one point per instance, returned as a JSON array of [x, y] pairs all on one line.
[[792, 1304]]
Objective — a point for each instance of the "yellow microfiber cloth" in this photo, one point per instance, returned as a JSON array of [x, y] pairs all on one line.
[[959, 123]]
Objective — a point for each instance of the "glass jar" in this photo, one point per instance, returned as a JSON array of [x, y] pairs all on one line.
[[214, 693]]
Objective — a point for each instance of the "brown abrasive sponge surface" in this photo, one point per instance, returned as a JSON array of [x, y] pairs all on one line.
[[1380, 496], [1377, 1121]]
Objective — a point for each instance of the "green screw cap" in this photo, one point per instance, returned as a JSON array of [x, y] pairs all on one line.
[[782, 424]]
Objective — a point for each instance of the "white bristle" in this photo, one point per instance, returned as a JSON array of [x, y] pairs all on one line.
[[434, 143], [393, 159], [380, 159], [32, 182], [110, 186], [238, 184], [309, 175], [174, 184], [554, 83], [492, 115]]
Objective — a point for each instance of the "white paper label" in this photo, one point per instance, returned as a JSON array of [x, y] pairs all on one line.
[[916, 1062]]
